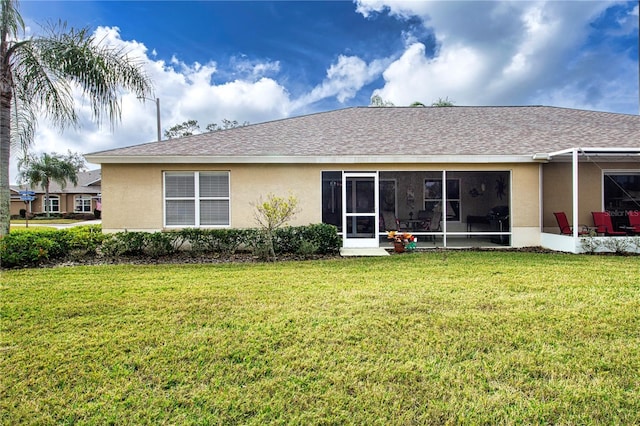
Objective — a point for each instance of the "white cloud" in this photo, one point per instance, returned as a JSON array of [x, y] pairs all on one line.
[[486, 53], [490, 53], [188, 91], [414, 77], [344, 79]]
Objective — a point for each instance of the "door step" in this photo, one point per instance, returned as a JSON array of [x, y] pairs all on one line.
[[377, 251]]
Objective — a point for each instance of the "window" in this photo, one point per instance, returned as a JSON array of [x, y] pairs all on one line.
[[82, 203], [197, 198], [621, 195], [433, 197], [332, 198], [53, 204]]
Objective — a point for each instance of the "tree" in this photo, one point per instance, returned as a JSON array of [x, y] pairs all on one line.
[[226, 124], [37, 75], [377, 101], [46, 168], [271, 214], [443, 102], [191, 127], [187, 128], [417, 104]]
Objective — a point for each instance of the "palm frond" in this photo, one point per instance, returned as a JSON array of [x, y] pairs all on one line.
[[100, 71], [23, 122], [40, 86], [10, 20]]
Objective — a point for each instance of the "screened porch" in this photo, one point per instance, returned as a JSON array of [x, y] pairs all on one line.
[[440, 208]]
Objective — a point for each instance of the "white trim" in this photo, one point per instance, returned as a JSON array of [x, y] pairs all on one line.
[[83, 197], [361, 242], [47, 200], [594, 150], [196, 198], [286, 159], [574, 195]]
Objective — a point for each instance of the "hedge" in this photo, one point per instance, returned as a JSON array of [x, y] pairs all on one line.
[[26, 248]]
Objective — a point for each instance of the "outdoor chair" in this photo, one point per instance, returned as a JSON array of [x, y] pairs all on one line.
[[602, 221], [425, 220], [389, 221], [565, 228], [634, 221], [435, 220]]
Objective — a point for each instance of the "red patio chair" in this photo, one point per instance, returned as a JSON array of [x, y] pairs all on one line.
[[565, 228], [603, 224], [634, 221]]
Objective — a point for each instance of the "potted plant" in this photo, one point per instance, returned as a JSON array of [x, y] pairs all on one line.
[[402, 241]]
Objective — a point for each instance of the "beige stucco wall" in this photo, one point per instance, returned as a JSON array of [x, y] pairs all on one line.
[[557, 188], [132, 194]]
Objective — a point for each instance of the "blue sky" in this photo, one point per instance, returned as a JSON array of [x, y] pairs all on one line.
[[258, 61]]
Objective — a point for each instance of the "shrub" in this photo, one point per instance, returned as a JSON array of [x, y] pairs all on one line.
[[324, 236], [618, 245], [87, 238], [124, 244], [33, 247], [226, 241], [288, 239], [158, 244], [273, 213], [307, 248], [26, 249]]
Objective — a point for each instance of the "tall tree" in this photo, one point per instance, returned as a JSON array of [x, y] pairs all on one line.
[[191, 127], [38, 74], [377, 101], [187, 128], [443, 102], [46, 168], [225, 124]]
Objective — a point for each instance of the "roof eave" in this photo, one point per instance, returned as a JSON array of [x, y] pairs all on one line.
[[327, 159]]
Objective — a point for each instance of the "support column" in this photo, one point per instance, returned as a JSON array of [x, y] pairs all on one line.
[[574, 171]]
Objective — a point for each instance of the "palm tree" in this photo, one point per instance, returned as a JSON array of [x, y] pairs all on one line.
[[44, 169], [38, 74]]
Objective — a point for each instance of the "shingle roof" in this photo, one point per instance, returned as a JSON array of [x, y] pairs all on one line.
[[88, 183], [402, 131]]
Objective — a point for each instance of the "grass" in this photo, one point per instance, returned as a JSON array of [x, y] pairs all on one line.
[[423, 338]]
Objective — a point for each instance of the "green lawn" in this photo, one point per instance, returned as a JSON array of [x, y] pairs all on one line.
[[423, 338]]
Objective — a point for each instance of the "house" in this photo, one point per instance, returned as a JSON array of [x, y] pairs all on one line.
[[84, 197], [453, 176]]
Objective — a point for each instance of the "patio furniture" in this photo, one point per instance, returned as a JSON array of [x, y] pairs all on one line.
[[389, 221], [602, 221], [565, 228], [477, 220], [634, 221]]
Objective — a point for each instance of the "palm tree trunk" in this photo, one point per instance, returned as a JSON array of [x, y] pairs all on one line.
[[6, 94], [47, 205], [5, 152]]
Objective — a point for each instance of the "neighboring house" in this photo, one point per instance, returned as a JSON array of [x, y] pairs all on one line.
[[453, 176], [81, 198]]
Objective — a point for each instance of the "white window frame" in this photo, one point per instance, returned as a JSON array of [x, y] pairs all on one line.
[[83, 198], [48, 200], [196, 198]]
